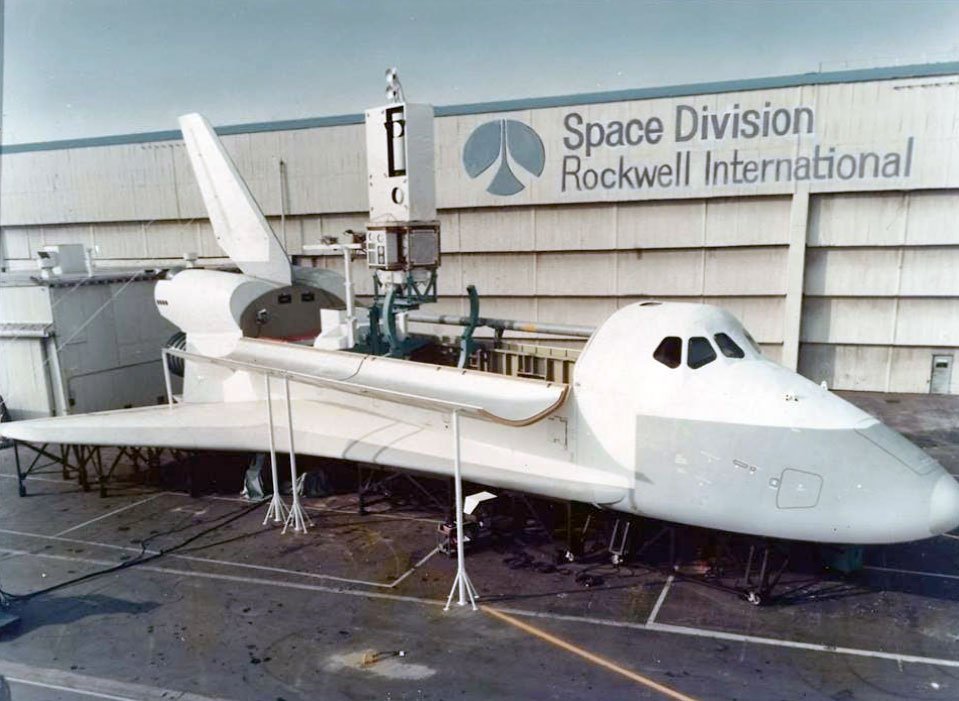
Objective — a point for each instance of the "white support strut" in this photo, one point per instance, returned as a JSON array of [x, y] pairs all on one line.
[[164, 360], [349, 293], [277, 508], [296, 516], [461, 583]]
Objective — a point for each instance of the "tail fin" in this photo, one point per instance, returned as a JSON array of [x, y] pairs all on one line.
[[238, 223]]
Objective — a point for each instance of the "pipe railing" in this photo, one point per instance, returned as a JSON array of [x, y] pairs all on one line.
[[504, 324]]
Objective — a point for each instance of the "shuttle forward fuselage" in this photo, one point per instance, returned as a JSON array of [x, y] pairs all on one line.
[[728, 439]]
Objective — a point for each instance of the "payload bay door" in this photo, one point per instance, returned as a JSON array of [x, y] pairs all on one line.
[[940, 381]]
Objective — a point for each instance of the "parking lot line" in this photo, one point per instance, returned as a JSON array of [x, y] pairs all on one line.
[[213, 561], [87, 685], [916, 573], [110, 513], [659, 601], [798, 645], [57, 687], [412, 569]]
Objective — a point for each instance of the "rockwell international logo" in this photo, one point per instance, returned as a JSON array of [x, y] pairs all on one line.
[[509, 143]]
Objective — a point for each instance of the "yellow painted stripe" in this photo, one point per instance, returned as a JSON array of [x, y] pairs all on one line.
[[587, 655]]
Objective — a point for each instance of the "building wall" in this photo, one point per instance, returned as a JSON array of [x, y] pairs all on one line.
[[881, 290], [853, 280]]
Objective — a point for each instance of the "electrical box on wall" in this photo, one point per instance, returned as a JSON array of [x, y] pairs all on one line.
[[399, 157]]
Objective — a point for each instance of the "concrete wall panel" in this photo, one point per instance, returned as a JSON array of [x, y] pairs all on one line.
[[848, 320], [748, 271], [27, 304], [928, 322], [583, 228], [495, 231], [658, 273], [125, 240], [661, 224], [586, 311], [930, 271], [17, 242], [493, 274], [747, 221], [845, 367], [852, 272], [858, 219], [575, 274], [933, 218], [168, 240]]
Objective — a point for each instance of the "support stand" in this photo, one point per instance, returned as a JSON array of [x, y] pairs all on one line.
[[277, 511], [297, 516], [462, 582]]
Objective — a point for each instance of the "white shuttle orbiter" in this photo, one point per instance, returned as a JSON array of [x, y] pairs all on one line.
[[673, 412]]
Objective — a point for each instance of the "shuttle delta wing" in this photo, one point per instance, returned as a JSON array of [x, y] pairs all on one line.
[[238, 224], [369, 423]]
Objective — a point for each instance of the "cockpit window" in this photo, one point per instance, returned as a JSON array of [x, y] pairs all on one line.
[[699, 353], [669, 351], [728, 347], [753, 343]]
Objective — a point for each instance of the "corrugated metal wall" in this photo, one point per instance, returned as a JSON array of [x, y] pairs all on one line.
[[881, 289]]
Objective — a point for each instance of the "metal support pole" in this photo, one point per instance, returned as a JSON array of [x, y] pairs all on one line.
[[164, 358], [350, 302], [277, 510], [296, 516], [16, 456], [461, 583]]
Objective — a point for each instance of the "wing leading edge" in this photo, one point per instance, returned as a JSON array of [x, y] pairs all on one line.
[[326, 428]]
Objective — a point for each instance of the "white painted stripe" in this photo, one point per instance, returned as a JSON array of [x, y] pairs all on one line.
[[78, 541], [913, 572], [738, 637], [80, 692], [280, 570], [412, 569], [235, 578], [212, 561], [87, 685], [797, 645], [110, 513], [660, 600], [33, 478]]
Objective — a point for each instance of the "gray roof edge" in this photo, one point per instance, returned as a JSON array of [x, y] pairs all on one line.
[[922, 70]]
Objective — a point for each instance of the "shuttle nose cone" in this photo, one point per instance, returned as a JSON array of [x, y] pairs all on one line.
[[944, 505]]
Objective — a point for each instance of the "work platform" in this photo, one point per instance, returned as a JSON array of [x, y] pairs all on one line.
[[245, 613]]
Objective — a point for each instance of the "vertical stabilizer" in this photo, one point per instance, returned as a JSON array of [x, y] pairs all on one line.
[[238, 224]]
